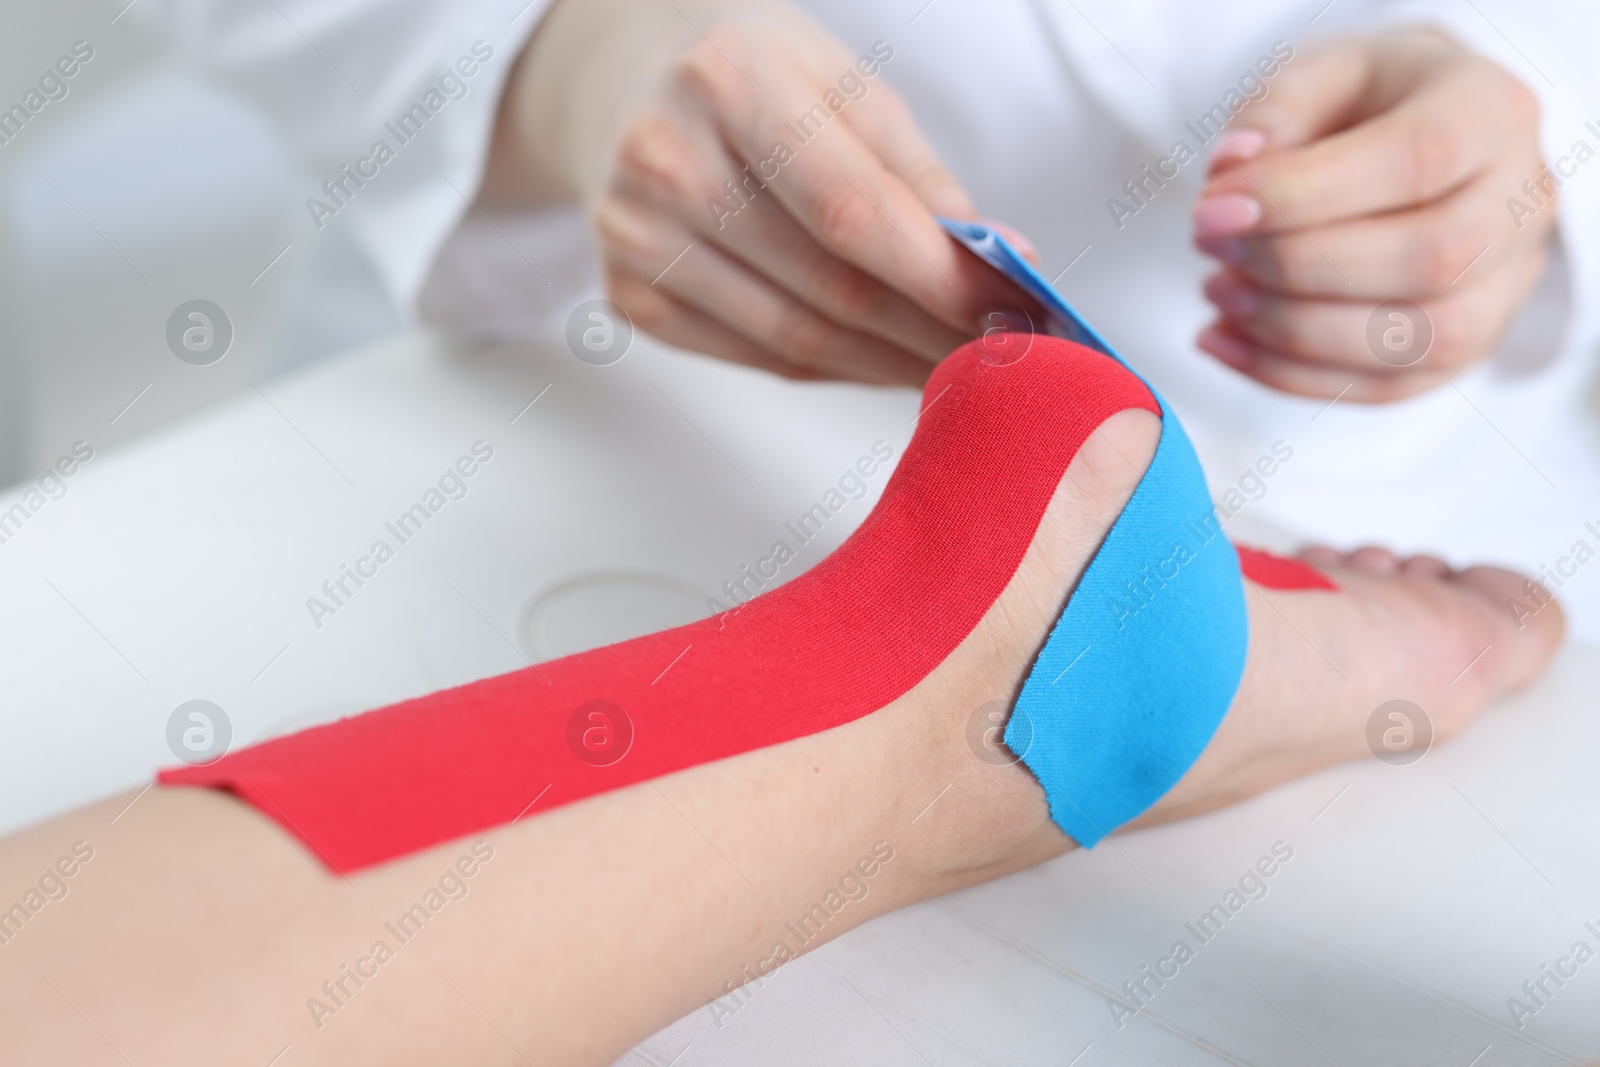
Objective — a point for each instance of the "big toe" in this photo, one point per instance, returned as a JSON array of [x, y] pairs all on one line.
[[1526, 621]]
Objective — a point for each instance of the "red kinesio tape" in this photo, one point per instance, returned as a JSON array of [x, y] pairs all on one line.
[[1279, 572], [836, 643]]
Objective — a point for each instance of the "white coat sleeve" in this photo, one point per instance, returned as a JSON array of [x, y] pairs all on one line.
[[389, 105]]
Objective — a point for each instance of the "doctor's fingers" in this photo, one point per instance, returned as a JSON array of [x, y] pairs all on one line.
[[1412, 255], [1406, 124], [749, 223], [1311, 380], [675, 174], [1446, 334], [885, 122], [669, 319], [807, 81], [802, 139], [699, 276], [765, 238]]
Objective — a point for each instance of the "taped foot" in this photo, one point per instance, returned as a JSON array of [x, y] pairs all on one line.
[[1033, 473]]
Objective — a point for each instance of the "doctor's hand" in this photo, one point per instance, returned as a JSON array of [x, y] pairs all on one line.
[[1375, 170], [759, 192]]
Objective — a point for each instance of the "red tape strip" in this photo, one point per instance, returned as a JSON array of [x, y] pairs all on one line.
[[1280, 572], [836, 643]]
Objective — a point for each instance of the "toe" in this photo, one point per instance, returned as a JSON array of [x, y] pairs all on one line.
[[1322, 557], [1425, 567], [1374, 560], [1526, 620]]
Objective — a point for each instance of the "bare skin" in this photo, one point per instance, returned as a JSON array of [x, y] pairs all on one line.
[[198, 932]]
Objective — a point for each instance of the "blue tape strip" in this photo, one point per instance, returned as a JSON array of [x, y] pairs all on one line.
[[1145, 659]]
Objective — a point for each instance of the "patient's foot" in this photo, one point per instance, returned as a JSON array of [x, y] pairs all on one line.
[[602, 920], [1319, 664]]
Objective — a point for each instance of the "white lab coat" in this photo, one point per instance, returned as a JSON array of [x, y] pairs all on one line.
[[1044, 109]]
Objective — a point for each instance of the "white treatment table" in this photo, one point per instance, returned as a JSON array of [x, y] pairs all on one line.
[[1418, 899]]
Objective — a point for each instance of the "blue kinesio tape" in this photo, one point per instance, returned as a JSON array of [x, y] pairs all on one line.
[[1146, 657]]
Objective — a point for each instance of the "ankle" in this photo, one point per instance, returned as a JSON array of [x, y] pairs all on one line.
[[990, 816]]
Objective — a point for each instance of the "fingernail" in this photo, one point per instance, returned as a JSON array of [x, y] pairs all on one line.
[[1229, 250], [1237, 146], [1014, 238], [1235, 298], [1224, 346], [1218, 216]]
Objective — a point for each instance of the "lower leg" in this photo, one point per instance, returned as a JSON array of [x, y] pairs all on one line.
[[199, 931], [592, 925]]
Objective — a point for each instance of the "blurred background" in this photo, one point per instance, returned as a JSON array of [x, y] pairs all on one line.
[[148, 185]]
